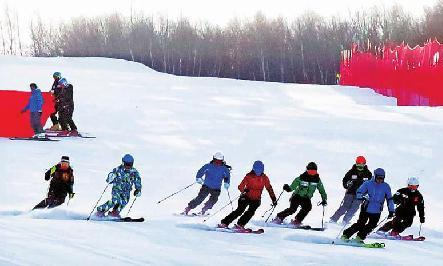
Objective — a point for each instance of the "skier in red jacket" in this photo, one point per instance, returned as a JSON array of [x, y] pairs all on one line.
[[251, 188]]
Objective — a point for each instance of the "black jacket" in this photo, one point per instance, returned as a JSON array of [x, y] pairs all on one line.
[[357, 177], [62, 181], [407, 200]]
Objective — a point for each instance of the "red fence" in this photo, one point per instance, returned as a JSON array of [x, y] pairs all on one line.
[[12, 122], [412, 75]]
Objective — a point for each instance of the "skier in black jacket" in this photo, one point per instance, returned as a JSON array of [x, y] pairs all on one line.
[[353, 179], [406, 199], [62, 182]]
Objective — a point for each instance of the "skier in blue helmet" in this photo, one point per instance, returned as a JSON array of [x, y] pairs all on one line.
[[373, 194], [122, 178]]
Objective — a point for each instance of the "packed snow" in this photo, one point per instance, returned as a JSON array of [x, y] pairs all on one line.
[[172, 126]]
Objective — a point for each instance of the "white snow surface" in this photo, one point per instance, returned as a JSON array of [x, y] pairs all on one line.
[[172, 125]]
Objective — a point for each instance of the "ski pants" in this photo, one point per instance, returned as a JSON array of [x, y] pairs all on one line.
[[349, 206], [65, 117], [296, 201], [365, 224], [118, 201], [243, 203], [398, 224], [36, 123], [51, 201], [202, 194], [53, 116]]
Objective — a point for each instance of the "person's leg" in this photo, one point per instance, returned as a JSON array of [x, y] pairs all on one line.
[[403, 223], [294, 203], [113, 202], [306, 207], [373, 220], [212, 200], [63, 118], [35, 121], [56, 201], [70, 121], [387, 226], [41, 205], [242, 204], [253, 206], [355, 205], [344, 206], [202, 194], [356, 227]]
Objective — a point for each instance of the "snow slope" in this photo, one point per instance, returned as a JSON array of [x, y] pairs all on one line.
[[172, 126]]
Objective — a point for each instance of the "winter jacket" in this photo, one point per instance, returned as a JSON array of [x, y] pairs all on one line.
[[62, 181], [377, 194], [305, 186], [214, 175], [255, 185], [355, 178], [35, 102], [123, 179], [63, 92], [407, 201]]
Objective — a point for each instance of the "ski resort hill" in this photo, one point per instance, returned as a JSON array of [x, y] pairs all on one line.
[[172, 126]]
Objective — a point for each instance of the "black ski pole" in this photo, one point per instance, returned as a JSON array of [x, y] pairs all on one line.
[[273, 207], [89, 217], [323, 216], [241, 194], [131, 206], [176, 192], [230, 201]]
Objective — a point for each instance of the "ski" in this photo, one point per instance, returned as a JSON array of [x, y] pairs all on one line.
[[34, 139], [191, 215], [240, 231], [66, 134], [113, 219], [358, 244], [292, 226], [403, 238]]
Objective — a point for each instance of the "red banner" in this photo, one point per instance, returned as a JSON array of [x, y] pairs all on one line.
[[12, 122], [412, 75]]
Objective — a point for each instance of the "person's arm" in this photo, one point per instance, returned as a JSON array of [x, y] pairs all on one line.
[[71, 183], [243, 185], [346, 179], [295, 184], [389, 200], [201, 172], [50, 172], [421, 209], [322, 191], [137, 181], [270, 190], [227, 178], [362, 190], [39, 101]]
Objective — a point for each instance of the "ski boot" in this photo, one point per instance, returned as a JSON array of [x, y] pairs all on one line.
[[222, 225], [331, 221], [203, 211], [55, 127], [73, 133], [381, 233], [277, 220], [344, 238], [296, 222], [99, 214], [114, 214], [358, 240], [186, 211]]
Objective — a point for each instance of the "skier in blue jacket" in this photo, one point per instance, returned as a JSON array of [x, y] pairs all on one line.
[[34, 106], [373, 193], [122, 178], [215, 173]]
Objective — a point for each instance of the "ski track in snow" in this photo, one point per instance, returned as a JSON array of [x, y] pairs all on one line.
[[172, 125]]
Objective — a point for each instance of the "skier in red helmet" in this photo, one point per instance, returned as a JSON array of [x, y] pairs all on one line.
[[353, 179]]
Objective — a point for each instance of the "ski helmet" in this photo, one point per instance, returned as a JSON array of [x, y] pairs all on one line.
[[258, 167], [360, 160], [413, 181], [219, 156], [57, 75], [128, 160], [311, 166], [379, 173]]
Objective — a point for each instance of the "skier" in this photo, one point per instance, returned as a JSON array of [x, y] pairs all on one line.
[[122, 178], [353, 179], [63, 92], [215, 172], [62, 182], [304, 187], [34, 106], [407, 199], [251, 189], [373, 194]]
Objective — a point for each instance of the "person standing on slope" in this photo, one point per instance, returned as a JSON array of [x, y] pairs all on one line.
[[35, 105], [353, 179], [62, 183], [251, 189], [304, 187], [407, 199], [215, 172], [122, 179], [63, 92], [373, 193]]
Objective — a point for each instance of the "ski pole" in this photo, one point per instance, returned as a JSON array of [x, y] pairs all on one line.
[[241, 194], [273, 207], [131, 206], [230, 201], [176, 192], [419, 231], [323, 216], [89, 217], [341, 230]]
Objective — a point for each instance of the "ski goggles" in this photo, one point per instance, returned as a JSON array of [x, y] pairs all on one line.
[[413, 187], [360, 166], [380, 177], [311, 172]]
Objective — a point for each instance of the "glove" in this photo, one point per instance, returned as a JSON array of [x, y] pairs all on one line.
[[422, 220], [246, 190], [71, 195], [364, 197], [349, 184], [111, 177], [287, 188], [274, 202], [200, 181], [226, 186], [323, 203], [391, 215], [137, 193]]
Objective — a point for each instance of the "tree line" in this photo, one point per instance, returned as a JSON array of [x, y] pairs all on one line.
[[303, 50]]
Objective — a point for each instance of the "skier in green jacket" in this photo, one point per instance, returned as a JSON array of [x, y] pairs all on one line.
[[303, 187]]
